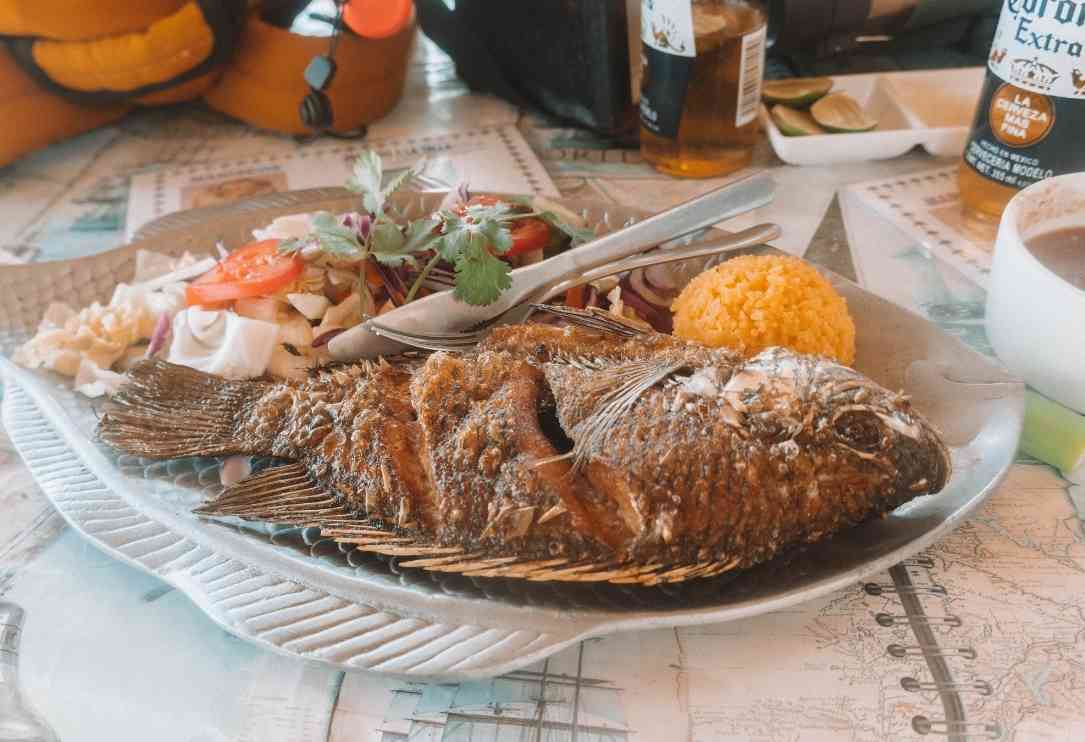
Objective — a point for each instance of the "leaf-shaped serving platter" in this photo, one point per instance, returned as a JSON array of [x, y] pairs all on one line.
[[295, 592]]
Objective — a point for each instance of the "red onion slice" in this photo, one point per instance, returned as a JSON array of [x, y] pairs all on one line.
[[640, 285], [660, 319], [159, 335], [325, 337]]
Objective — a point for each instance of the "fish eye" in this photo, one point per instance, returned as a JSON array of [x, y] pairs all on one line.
[[859, 429]]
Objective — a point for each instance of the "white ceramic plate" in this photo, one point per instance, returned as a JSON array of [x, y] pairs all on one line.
[[292, 592], [932, 109]]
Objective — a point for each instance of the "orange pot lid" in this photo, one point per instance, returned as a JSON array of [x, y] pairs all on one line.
[[377, 19]]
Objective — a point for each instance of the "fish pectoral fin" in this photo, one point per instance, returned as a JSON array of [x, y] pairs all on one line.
[[595, 318], [284, 494], [592, 400]]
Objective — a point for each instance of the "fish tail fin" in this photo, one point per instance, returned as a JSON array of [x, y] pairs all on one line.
[[167, 411]]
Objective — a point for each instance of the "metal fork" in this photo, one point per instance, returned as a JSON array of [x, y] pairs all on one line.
[[441, 311], [460, 341]]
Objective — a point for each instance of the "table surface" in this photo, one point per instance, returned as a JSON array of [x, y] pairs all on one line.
[[111, 653]]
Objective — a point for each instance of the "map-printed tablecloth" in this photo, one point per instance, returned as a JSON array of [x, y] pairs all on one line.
[[109, 653]]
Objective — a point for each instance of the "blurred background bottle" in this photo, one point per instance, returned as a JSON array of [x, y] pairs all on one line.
[[1031, 111], [702, 66], [18, 722]]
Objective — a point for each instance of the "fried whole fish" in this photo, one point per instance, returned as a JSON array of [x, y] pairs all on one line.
[[553, 452]]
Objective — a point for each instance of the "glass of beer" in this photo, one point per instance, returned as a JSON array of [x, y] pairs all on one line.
[[703, 62]]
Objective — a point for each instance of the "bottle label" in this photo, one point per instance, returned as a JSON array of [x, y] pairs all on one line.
[[666, 31], [1039, 46], [1032, 106], [750, 73], [9, 638]]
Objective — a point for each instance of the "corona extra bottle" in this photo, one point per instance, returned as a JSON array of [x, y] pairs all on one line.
[[1031, 115]]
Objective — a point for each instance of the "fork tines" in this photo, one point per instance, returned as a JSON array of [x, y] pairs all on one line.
[[447, 341], [593, 317]]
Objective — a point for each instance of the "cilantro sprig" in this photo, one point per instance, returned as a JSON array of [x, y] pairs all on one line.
[[471, 238]]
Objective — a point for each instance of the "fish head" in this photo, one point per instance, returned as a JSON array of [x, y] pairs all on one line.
[[856, 422], [871, 423]]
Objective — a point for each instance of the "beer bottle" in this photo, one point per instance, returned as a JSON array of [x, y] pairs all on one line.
[[18, 722], [1031, 112], [702, 63]]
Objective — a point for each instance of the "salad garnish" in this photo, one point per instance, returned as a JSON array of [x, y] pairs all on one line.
[[271, 306], [471, 235]]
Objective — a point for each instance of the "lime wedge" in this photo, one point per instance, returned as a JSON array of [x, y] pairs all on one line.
[[1053, 434], [794, 123], [840, 112], [797, 93]]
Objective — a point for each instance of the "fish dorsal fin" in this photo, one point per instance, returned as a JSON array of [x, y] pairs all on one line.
[[596, 319], [284, 494], [592, 396]]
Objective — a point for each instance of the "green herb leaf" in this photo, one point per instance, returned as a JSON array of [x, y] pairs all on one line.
[[366, 179], [468, 242], [480, 277], [333, 238], [397, 181], [457, 234], [386, 243], [325, 220], [488, 212], [290, 246], [498, 236], [576, 233], [420, 236]]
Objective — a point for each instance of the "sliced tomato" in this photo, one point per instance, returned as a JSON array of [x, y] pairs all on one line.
[[257, 269], [527, 234], [575, 297], [477, 201], [373, 276]]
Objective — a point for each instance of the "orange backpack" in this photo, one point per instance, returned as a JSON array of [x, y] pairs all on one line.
[[68, 66]]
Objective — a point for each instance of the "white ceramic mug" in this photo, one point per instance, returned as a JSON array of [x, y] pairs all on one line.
[[1035, 319]]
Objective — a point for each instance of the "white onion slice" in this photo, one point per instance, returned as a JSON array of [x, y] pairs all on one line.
[[188, 272], [666, 276], [92, 381], [311, 306], [263, 308], [222, 343]]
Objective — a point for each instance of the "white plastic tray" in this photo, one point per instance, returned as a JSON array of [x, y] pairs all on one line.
[[932, 109]]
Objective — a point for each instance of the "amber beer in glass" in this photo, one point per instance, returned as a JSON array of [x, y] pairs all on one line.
[[1031, 114], [703, 63]]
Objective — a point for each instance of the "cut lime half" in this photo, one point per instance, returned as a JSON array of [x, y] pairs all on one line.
[[794, 123], [840, 112], [798, 92]]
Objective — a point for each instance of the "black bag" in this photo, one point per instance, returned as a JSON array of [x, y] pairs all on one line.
[[570, 58], [856, 36], [567, 57]]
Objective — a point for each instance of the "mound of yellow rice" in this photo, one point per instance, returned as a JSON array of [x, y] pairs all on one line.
[[753, 302]]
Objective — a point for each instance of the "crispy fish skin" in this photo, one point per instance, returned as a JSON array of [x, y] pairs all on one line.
[[549, 441]]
